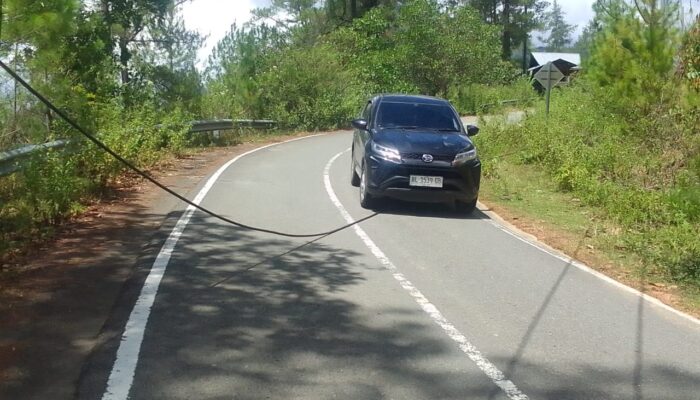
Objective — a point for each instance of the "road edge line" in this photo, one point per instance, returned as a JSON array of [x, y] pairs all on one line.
[[488, 368], [527, 238], [123, 370]]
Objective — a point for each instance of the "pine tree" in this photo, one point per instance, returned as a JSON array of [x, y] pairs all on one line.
[[516, 18], [633, 54], [560, 31]]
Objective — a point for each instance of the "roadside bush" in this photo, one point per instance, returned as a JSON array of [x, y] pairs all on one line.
[[643, 173], [473, 99], [309, 89], [54, 184]]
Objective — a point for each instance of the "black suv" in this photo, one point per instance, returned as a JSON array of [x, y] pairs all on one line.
[[414, 148]]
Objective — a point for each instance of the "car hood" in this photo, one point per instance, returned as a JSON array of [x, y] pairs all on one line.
[[431, 142]]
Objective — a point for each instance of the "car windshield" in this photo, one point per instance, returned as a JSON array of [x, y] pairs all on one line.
[[438, 117]]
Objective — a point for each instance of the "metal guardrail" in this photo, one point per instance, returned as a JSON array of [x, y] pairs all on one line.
[[11, 161], [224, 124]]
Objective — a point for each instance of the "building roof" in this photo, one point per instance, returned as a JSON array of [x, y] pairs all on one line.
[[544, 58]]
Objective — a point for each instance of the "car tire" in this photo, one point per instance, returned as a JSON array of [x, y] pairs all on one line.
[[366, 199], [354, 178], [466, 208]]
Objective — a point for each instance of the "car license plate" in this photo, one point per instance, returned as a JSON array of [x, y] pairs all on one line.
[[426, 181]]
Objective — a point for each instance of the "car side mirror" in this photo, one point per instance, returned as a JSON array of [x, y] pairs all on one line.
[[360, 124], [472, 130]]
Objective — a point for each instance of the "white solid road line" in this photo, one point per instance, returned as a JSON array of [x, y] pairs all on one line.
[[475, 355], [517, 234], [122, 376]]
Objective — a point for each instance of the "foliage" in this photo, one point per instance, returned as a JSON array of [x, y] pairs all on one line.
[[472, 99], [325, 98], [53, 185], [690, 56], [66, 49], [560, 31], [436, 50], [264, 71], [634, 56], [367, 47], [642, 172], [623, 138]]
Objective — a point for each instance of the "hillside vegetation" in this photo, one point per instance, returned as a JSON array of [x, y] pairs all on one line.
[[624, 138]]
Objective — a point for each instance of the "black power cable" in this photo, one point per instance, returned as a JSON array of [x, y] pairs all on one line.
[[145, 175]]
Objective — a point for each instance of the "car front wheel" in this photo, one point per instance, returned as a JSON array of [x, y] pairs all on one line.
[[354, 178], [366, 199], [466, 207]]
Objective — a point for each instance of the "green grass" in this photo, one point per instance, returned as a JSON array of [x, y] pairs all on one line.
[[531, 191]]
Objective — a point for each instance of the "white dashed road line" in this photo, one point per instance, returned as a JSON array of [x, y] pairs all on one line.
[[472, 352]]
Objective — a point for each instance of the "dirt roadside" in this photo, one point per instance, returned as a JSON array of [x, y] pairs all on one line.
[[56, 300]]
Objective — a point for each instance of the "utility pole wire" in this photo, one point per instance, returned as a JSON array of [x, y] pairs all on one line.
[[91, 137]]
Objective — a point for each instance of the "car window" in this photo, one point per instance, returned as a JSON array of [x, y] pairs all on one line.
[[366, 111], [417, 116]]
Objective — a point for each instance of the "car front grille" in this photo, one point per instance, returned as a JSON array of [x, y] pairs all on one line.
[[419, 156]]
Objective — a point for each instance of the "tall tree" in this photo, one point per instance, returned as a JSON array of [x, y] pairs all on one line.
[[127, 20], [559, 36], [33, 39], [343, 11], [167, 59], [516, 18], [634, 53]]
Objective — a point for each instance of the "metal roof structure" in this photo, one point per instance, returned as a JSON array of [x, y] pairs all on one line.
[[542, 58]]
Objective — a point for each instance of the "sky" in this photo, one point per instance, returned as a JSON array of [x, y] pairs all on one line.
[[214, 17]]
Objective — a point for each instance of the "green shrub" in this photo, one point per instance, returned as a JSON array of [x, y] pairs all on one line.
[[308, 89], [644, 173], [472, 99], [54, 184]]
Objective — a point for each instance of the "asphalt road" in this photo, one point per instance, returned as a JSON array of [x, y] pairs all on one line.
[[418, 303]]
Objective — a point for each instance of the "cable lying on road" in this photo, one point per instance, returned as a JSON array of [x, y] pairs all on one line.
[[149, 178]]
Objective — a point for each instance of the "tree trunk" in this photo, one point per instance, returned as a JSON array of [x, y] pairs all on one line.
[[124, 57], [525, 39], [353, 9], [49, 115], [505, 39], [107, 18]]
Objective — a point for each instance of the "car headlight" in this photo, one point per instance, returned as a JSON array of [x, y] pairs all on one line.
[[463, 157], [386, 153]]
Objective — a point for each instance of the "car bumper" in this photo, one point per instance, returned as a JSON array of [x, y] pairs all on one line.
[[387, 179]]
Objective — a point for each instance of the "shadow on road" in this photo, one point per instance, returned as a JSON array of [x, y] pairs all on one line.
[[599, 381], [247, 316], [292, 327]]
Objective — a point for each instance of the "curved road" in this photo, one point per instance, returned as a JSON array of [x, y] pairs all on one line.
[[417, 303]]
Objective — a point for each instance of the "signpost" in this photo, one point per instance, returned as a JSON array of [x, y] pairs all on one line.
[[549, 76]]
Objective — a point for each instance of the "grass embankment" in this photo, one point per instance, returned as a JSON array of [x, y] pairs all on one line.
[[622, 196]]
